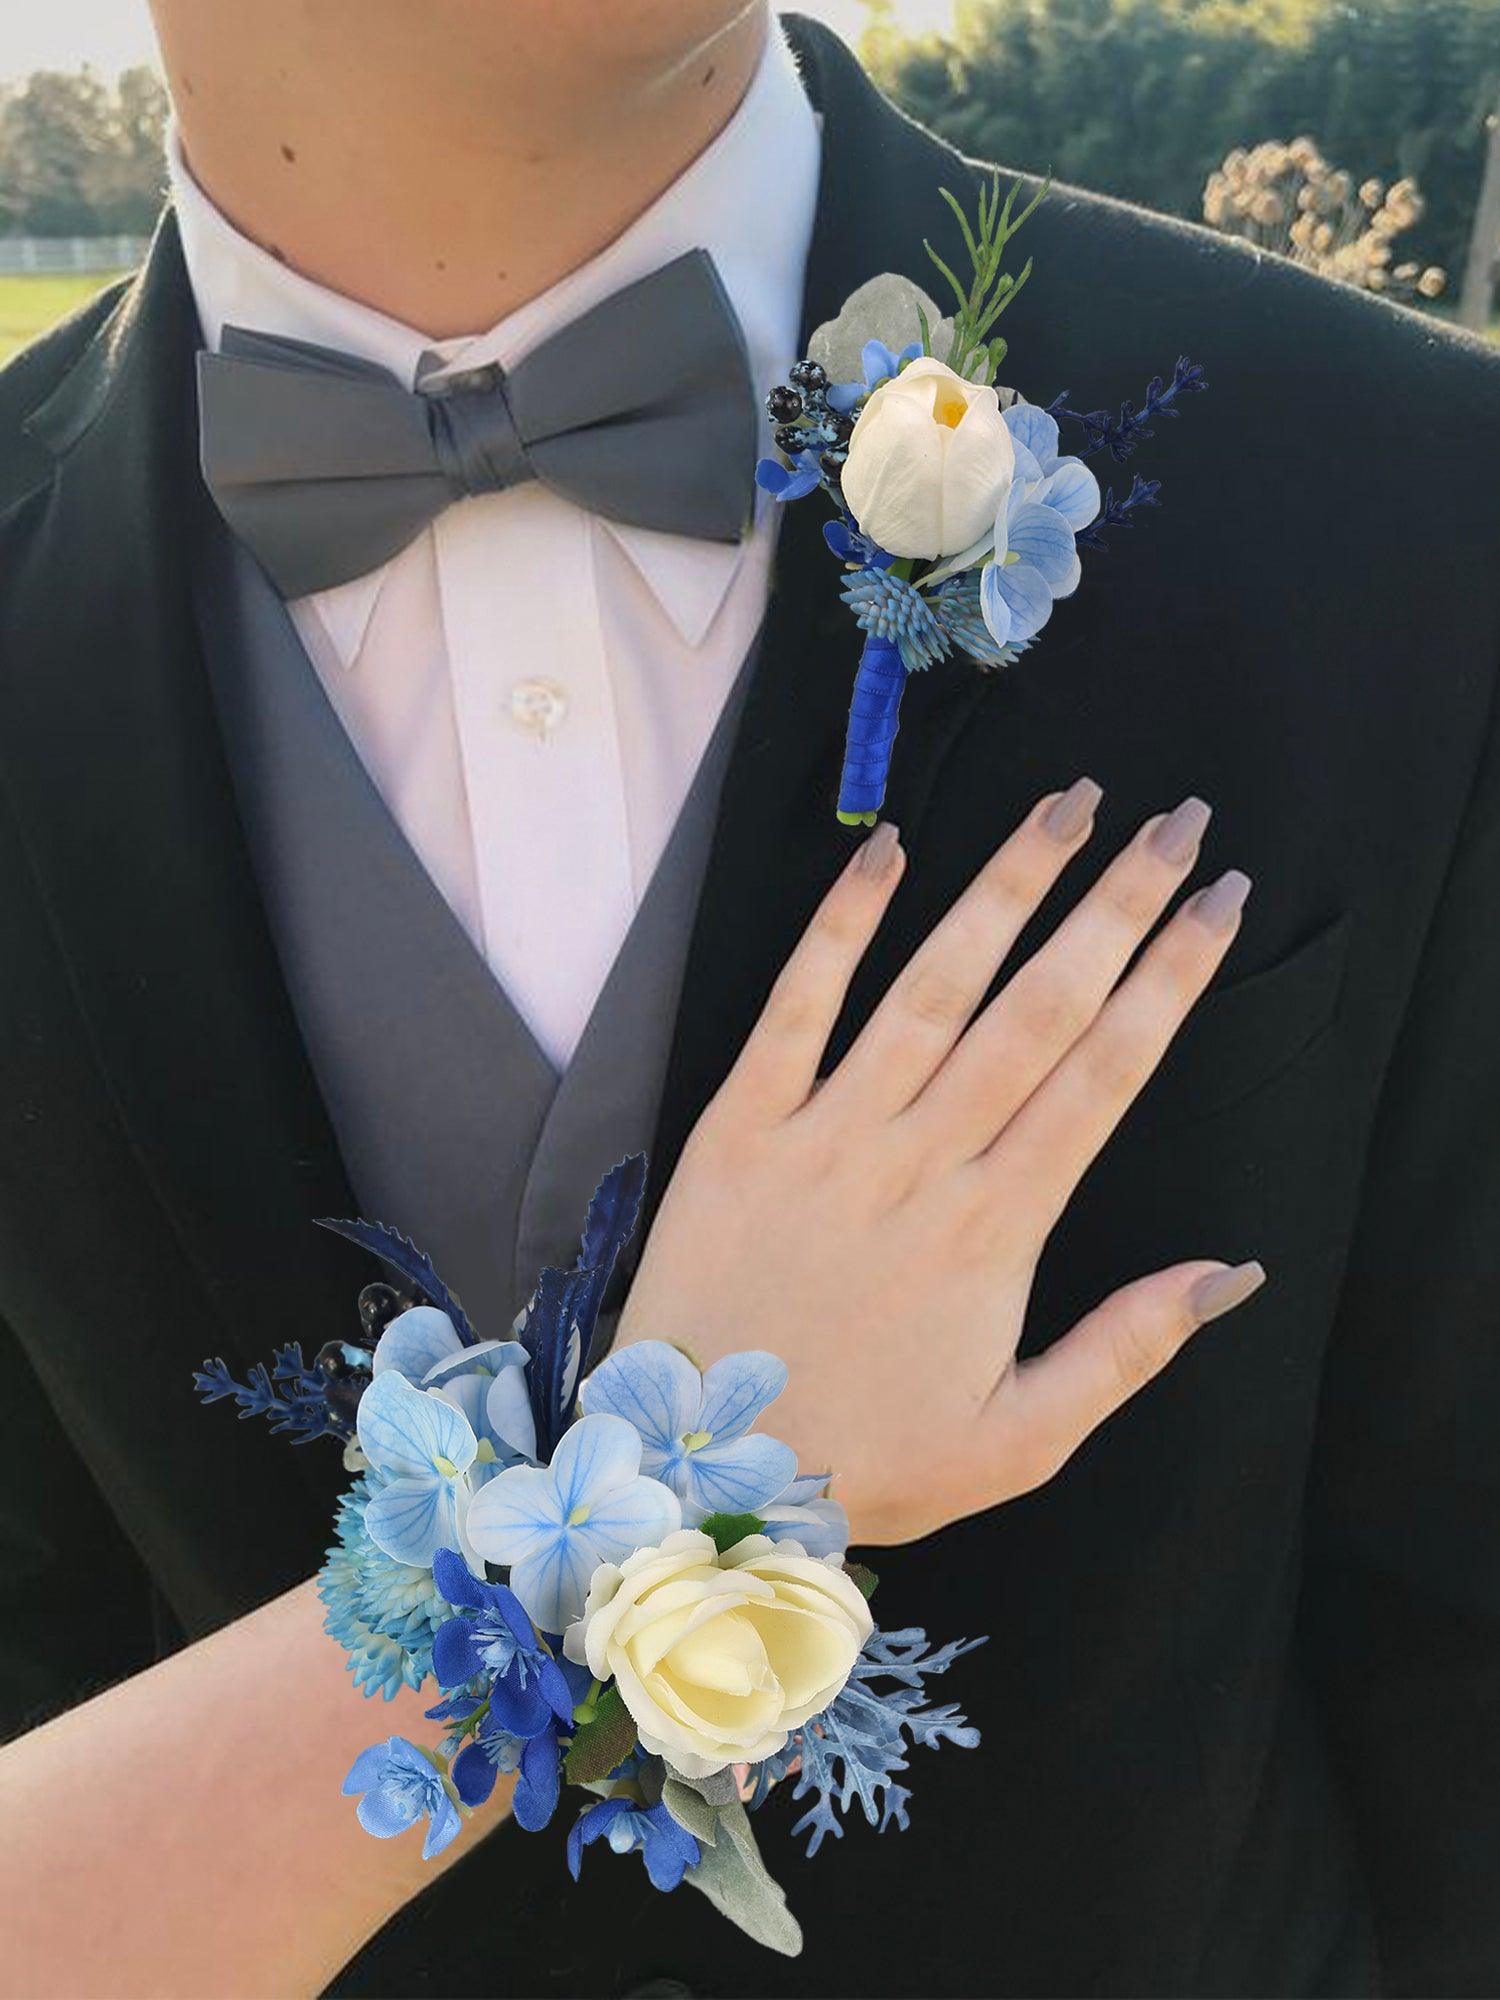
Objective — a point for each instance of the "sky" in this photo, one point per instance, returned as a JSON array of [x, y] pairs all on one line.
[[112, 34]]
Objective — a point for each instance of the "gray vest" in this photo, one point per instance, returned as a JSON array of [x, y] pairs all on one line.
[[452, 1123]]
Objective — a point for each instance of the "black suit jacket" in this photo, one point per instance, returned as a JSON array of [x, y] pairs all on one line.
[[1242, 1700]]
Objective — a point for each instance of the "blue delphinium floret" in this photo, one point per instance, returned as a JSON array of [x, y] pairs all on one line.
[[667, 1849], [536, 1759], [382, 1612], [878, 364], [291, 1394], [400, 1784], [695, 1428], [805, 476], [499, 1644], [854, 1749], [850, 546]]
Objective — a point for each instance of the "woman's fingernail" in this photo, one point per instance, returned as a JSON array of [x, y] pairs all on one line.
[[1221, 1291], [879, 852], [1179, 836], [1068, 815], [1220, 903]]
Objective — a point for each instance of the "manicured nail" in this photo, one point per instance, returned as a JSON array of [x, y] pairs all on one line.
[[1178, 837], [1067, 816], [1221, 1291], [1220, 903], [878, 855]]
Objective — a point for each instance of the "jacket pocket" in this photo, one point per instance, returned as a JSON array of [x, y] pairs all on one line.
[[1244, 1034]]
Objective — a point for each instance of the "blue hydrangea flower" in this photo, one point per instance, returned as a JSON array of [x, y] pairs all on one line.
[[499, 1644], [383, 1613], [804, 477], [486, 1380], [1034, 559], [553, 1525], [957, 609], [695, 1429], [820, 1526], [424, 1447], [667, 1849], [400, 1785]]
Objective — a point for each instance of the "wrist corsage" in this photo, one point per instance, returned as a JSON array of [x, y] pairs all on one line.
[[959, 515], [615, 1583]]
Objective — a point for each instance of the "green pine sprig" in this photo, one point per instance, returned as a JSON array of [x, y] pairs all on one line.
[[991, 289]]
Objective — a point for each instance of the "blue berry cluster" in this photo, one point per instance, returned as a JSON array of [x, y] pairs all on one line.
[[804, 421]]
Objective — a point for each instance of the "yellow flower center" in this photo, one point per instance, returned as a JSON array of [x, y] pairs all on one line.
[[578, 1516], [696, 1440], [446, 1467], [948, 404]]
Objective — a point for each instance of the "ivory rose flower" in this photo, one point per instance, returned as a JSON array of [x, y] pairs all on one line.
[[719, 1657], [929, 462]]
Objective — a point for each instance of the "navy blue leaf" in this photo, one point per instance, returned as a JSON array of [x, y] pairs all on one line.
[[560, 1321], [546, 1334], [403, 1256], [608, 1227]]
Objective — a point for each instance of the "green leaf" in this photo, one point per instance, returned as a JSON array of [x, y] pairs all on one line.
[[958, 291], [963, 222], [696, 1803], [864, 1580], [732, 1875], [603, 1743], [727, 1529]]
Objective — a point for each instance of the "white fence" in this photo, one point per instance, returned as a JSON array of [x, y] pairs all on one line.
[[57, 254]]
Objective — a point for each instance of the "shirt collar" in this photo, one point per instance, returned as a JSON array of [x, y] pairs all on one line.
[[748, 199]]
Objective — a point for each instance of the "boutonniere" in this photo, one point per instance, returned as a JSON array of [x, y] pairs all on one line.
[[959, 515], [618, 1584]]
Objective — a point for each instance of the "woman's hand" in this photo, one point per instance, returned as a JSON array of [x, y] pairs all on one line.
[[880, 1232]]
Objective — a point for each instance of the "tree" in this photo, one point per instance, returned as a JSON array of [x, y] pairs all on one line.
[[1143, 98], [81, 158]]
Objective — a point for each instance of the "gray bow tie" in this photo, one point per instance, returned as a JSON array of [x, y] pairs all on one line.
[[642, 410]]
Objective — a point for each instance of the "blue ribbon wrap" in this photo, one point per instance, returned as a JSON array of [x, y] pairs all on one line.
[[874, 717]]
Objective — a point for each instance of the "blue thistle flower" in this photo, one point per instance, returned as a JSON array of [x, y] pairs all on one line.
[[383, 1613], [887, 607]]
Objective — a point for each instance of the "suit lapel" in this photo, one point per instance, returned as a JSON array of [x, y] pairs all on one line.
[[778, 843], [115, 769]]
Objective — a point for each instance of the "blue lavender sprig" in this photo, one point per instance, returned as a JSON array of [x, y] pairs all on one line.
[[1116, 513], [291, 1394], [1120, 435]]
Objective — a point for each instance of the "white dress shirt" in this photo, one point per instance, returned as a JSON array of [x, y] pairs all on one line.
[[530, 687]]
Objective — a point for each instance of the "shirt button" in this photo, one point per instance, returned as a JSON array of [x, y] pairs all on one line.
[[537, 706]]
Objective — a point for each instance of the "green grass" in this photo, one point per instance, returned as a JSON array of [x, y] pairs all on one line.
[[29, 305]]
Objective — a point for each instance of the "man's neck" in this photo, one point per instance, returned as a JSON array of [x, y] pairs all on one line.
[[447, 163]]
